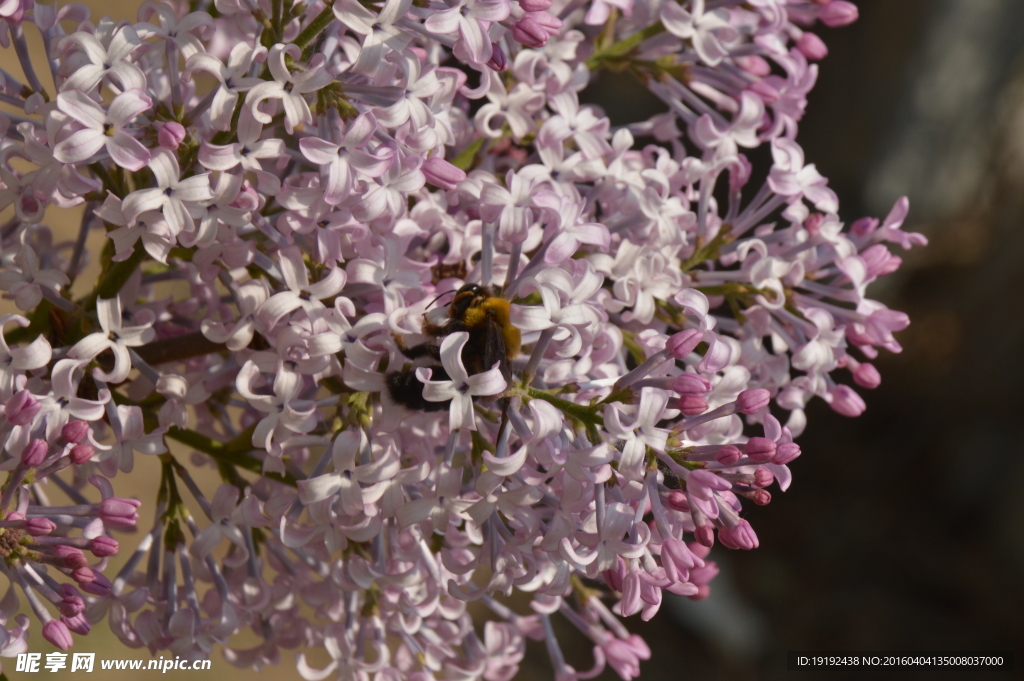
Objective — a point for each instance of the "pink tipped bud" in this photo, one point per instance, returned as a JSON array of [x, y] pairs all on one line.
[[78, 624], [103, 546], [441, 173], [740, 537], [753, 400], [786, 452], [56, 632], [40, 527], [498, 60], [83, 575], [728, 455], [72, 603], [613, 578], [705, 535], [692, 406], [760, 449], [761, 497], [812, 47], [100, 586], [763, 477], [22, 408], [35, 453], [81, 453], [838, 13], [73, 558], [171, 135], [867, 376], [677, 501], [864, 226], [535, 5], [529, 32], [813, 223], [754, 64], [117, 512], [691, 384], [767, 93], [845, 401], [14, 515], [74, 431], [681, 344]]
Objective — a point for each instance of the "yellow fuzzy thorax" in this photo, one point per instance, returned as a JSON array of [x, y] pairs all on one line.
[[498, 308]]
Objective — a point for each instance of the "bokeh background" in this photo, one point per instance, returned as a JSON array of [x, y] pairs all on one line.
[[904, 528]]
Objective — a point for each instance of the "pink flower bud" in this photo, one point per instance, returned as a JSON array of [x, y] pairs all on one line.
[[14, 515], [761, 497], [441, 173], [691, 385], [498, 61], [705, 535], [171, 135], [100, 586], [813, 223], [81, 453], [786, 452], [753, 400], [692, 405], [35, 453], [740, 537], [760, 449], [613, 578], [864, 226], [103, 546], [74, 431], [83, 575], [681, 344], [867, 376], [677, 501], [754, 64], [530, 33], [117, 512], [767, 93], [844, 400], [838, 13], [880, 261], [38, 527], [763, 477], [812, 47], [728, 455], [56, 632], [72, 558], [72, 604], [22, 408], [535, 5], [77, 624]]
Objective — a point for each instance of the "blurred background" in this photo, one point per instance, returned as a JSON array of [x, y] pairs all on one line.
[[904, 528]]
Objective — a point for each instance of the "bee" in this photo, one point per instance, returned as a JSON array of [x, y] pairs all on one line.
[[484, 315]]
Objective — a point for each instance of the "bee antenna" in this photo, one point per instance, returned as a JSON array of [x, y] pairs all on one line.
[[438, 298]]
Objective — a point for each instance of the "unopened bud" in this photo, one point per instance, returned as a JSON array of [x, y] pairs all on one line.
[[39, 527], [535, 5], [812, 47], [867, 376], [83, 575], [103, 546], [864, 226], [74, 431], [73, 558], [22, 408], [35, 453], [81, 453], [530, 33], [677, 501], [691, 384], [171, 135], [498, 60], [728, 455], [838, 13], [441, 173], [705, 535], [681, 344], [760, 449], [761, 497], [78, 624], [786, 452], [763, 477], [844, 400], [692, 406], [753, 400], [56, 632]]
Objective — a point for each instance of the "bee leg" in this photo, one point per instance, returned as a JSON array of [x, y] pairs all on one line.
[[428, 349]]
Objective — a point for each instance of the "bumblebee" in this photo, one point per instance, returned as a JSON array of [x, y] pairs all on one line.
[[484, 315]]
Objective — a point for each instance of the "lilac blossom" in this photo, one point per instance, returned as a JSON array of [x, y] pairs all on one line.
[[316, 221]]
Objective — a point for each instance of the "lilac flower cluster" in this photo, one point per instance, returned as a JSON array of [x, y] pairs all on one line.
[[291, 193]]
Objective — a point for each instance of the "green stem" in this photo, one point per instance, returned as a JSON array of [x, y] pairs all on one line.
[[624, 46], [306, 38]]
